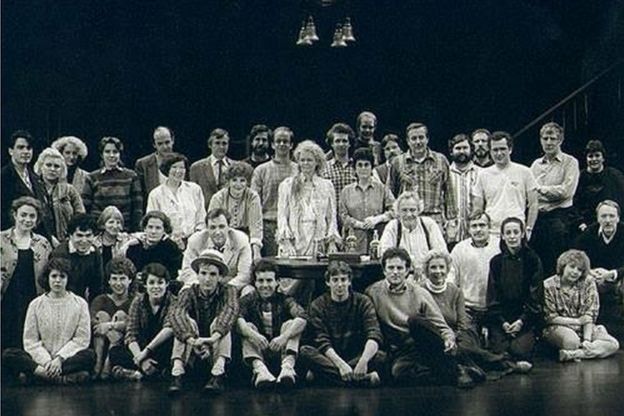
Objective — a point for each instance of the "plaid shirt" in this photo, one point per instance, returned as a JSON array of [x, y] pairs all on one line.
[[430, 178], [139, 317], [463, 183], [283, 308], [571, 302], [339, 175], [221, 306]]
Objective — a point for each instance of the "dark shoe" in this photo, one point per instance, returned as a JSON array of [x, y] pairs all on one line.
[[78, 377], [176, 385], [476, 373], [215, 384], [464, 381]]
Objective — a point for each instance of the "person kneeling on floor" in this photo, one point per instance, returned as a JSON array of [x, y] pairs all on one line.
[[270, 325], [202, 321]]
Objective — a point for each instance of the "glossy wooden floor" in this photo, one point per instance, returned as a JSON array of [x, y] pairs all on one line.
[[586, 388]]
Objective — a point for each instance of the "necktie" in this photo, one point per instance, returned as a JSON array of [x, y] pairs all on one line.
[[219, 173], [26, 179]]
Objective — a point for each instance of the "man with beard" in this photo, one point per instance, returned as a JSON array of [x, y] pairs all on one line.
[[258, 140], [481, 148], [425, 172], [266, 180], [340, 170], [463, 176]]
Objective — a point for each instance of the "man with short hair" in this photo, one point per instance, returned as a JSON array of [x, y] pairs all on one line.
[[87, 271], [258, 140], [411, 231], [480, 139], [366, 125], [426, 172], [557, 176], [209, 173], [340, 170], [345, 334], [391, 148], [420, 342], [18, 179], [146, 167], [471, 261], [265, 181], [270, 324], [463, 175], [505, 189], [603, 242], [202, 320], [218, 235], [596, 183]]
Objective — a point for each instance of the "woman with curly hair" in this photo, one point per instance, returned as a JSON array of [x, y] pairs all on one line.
[[74, 152], [62, 199], [570, 310]]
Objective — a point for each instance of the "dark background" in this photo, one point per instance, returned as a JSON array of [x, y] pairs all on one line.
[[110, 67]]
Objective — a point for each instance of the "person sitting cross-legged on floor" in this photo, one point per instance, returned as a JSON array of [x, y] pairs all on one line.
[[345, 334], [270, 325], [202, 320], [570, 309], [109, 313], [149, 337], [56, 333]]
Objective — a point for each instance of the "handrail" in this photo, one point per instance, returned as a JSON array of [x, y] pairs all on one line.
[[567, 98]]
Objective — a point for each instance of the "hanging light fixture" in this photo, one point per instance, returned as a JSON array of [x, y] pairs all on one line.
[[310, 28], [339, 41], [347, 31], [303, 39]]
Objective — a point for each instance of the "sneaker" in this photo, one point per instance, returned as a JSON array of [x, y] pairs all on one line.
[[570, 355], [78, 377], [175, 387], [476, 373], [309, 377], [522, 367], [120, 373], [263, 378], [215, 384], [287, 377], [373, 379], [464, 381]]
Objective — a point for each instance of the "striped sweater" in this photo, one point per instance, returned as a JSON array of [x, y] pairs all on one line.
[[119, 187]]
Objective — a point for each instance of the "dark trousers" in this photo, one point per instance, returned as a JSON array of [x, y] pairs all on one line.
[[19, 361], [310, 358], [551, 237], [519, 347], [121, 355], [269, 243]]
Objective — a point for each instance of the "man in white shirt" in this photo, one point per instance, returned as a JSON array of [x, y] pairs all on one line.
[[506, 189], [471, 260], [557, 176]]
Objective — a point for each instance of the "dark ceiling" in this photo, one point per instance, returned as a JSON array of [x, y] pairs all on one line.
[[113, 67]]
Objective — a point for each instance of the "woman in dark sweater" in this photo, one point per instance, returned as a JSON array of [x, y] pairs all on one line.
[[472, 357], [514, 293], [153, 245]]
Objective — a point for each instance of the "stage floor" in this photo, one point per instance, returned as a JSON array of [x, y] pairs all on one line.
[[585, 388]]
